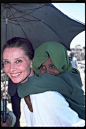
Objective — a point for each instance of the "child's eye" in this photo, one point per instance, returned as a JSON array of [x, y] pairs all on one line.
[[18, 61], [52, 66], [42, 67]]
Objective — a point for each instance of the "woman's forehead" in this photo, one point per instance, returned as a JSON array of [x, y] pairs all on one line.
[[13, 52]]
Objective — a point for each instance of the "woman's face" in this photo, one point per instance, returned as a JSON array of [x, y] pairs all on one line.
[[16, 64], [48, 67]]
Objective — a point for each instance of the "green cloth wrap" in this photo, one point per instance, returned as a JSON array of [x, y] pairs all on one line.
[[57, 53], [68, 84]]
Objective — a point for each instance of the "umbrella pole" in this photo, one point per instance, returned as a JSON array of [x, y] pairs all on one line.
[[4, 103], [4, 110], [4, 99]]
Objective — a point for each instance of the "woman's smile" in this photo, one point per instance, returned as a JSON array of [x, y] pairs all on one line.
[[14, 75]]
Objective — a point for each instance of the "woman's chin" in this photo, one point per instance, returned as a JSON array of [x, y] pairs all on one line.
[[15, 81]]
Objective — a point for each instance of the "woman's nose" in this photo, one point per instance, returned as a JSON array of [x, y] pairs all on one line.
[[12, 67]]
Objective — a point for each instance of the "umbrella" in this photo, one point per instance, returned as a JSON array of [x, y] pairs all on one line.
[[38, 22]]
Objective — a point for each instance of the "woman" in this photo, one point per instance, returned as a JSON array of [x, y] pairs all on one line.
[[17, 58], [56, 95]]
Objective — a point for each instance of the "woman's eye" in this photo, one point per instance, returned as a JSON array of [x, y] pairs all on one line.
[[18, 61], [5, 62]]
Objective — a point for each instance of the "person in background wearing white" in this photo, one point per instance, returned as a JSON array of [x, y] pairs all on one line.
[[74, 61]]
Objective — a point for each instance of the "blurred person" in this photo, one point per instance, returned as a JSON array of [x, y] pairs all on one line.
[[74, 61]]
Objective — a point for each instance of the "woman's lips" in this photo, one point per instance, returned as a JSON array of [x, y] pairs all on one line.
[[15, 75]]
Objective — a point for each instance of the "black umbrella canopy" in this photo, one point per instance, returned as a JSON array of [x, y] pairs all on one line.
[[38, 22]]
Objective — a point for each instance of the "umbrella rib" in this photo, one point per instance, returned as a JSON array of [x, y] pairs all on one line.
[[29, 12], [29, 9], [2, 12], [12, 14], [24, 21], [19, 24], [2, 15], [20, 16], [12, 23]]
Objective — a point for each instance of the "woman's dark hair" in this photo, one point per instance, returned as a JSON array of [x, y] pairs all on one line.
[[22, 43]]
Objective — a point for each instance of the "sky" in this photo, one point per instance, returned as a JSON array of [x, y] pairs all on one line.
[[75, 11]]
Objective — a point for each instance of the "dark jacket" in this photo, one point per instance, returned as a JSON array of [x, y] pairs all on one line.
[[12, 87]]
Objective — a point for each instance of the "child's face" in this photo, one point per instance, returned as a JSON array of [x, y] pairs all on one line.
[[48, 67]]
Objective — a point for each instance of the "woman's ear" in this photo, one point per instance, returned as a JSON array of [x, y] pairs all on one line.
[[31, 64]]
